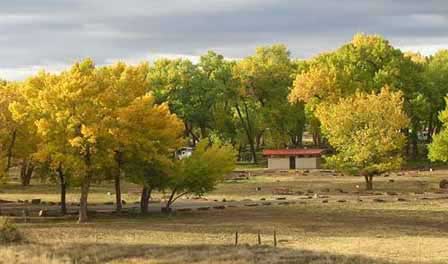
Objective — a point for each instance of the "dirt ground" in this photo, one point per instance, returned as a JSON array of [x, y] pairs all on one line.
[[320, 220]]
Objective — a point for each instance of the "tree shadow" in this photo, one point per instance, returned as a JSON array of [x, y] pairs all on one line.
[[202, 253]]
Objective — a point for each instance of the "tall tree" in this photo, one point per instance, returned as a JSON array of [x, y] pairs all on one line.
[[263, 82], [436, 81], [125, 84], [438, 149], [366, 64], [149, 134], [365, 141]]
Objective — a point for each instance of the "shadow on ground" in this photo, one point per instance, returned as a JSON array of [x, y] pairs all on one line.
[[146, 253]]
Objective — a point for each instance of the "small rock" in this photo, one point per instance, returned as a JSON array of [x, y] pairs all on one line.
[[281, 198], [184, 209], [443, 184], [391, 193], [342, 201], [401, 200], [310, 191], [283, 203], [324, 201], [224, 200], [266, 203], [391, 180], [263, 199], [251, 205], [35, 201], [43, 213], [378, 200], [219, 207], [258, 189], [325, 190]]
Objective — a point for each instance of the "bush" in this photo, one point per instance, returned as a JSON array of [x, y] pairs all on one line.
[[9, 232]]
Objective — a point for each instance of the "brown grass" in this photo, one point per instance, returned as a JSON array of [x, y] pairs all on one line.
[[352, 232]]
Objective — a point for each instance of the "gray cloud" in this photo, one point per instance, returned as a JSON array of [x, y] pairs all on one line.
[[54, 33]]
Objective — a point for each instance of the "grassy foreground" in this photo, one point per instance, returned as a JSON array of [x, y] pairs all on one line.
[[309, 231], [327, 233]]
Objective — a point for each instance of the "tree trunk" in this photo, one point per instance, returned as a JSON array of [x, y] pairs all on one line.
[[26, 171], [204, 133], [118, 201], [85, 186], [117, 180], [144, 200], [247, 129], [9, 151], [430, 128], [170, 200], [369, 182], [63, 189]]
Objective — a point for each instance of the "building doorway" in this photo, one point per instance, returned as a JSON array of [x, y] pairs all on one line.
[[292, 163]]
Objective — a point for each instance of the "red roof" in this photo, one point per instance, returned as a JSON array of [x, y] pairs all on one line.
[[292, 152]]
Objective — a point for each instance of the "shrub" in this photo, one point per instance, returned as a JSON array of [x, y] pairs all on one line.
[[9, 232]]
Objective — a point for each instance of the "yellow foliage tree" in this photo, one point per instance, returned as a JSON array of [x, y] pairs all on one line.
[[365, 130]]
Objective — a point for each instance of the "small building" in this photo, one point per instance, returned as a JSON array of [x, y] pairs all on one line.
[[285, 159]]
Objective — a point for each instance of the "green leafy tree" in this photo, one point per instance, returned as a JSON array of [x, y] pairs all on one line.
[[366, 64], [199, 173], [438, 149]]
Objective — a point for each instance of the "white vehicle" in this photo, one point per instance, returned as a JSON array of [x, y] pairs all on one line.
[[184, 152]]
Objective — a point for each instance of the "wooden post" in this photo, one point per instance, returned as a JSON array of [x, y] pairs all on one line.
[[236, 238], [259, 238], [275, 239], [25, 215]]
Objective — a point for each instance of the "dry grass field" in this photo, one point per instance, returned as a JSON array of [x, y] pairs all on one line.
[[341, 230]]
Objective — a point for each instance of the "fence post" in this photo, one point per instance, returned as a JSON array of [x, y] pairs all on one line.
[[275, 238], [25, 215], [236, 238], [259, 238]]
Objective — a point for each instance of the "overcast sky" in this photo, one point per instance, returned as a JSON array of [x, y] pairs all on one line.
[[52, 34]]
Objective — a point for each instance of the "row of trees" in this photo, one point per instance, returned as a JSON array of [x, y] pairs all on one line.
[[93, 123], [367, 100]]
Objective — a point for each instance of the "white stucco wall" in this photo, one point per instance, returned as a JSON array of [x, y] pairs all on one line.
[[278, 163], [307, 163]]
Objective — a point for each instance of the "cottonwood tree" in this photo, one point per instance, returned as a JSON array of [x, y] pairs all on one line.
[[436, 88], [179, 83], [57, 160], [438, 149], [125, 84], [18, 139], [148, 134], [365, 141], [201, 172], [262, 85], [72, 112], [366, 64]]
